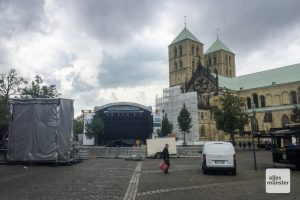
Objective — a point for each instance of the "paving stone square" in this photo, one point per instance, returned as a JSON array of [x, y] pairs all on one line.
[[102, 178]]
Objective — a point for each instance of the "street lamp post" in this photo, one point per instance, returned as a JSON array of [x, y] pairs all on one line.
[[253, 129]]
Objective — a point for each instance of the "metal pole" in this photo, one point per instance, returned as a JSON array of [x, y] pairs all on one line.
[[253, 146]]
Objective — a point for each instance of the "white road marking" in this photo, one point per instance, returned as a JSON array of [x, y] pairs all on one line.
[[188, 188], [171, 170], [133, 183]]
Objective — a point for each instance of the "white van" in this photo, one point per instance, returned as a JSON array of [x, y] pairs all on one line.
[[218, 156]]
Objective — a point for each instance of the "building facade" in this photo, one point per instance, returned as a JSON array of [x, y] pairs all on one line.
[[274, 93]]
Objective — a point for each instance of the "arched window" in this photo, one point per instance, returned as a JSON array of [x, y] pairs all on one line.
[[215, 60], [202, 116], [229, 60], [248, 103], [180, 63], [262, 101], [180, 50], [197, 51], [293, 97], [193, 50], [175, 52], [226, 71], [209, 61], [255, 99], [175, 65], [230, 73], [284, 120], [202, 131], [226, 59]]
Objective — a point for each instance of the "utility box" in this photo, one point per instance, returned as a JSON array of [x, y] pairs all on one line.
[[41, 130]]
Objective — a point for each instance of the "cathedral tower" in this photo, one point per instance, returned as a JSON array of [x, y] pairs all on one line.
[[185, 53], [220, 58]]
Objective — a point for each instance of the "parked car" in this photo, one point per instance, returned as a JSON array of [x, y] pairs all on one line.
[[218, 156]]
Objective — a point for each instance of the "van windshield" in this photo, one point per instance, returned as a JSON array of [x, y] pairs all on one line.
[[219, 148]]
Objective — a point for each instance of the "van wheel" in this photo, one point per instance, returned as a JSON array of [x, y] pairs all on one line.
[[234, 172], [204, 171]]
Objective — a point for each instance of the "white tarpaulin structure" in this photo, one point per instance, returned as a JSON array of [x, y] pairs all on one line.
[[41, 130], [172, 102]]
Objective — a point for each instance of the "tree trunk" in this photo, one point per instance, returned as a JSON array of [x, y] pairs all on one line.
[[184, 142]]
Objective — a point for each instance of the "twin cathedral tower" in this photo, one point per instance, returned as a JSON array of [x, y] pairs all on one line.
[[186, 52]]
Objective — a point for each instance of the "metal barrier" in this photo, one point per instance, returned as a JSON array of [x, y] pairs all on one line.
[[189, 151], [123, 152], [115, 152]]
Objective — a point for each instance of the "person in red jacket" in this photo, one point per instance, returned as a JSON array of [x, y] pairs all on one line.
[[166, 157]]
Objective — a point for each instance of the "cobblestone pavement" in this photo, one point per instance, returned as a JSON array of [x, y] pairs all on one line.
[[90, 179], [186, 181], [119, 179]]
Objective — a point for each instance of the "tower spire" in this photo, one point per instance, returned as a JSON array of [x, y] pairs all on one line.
[[217, 33], [184, 21]]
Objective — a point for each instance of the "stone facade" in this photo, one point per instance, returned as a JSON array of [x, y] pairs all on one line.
[[193, 70], [222, 62], [184, 57]]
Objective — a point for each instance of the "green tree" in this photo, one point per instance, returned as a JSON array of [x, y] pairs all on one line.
[[78, 126], [296, 115], [94, 129], [230, 116], [185, 122], [166, 126], [38, 90], [10, 85], [158, 131]]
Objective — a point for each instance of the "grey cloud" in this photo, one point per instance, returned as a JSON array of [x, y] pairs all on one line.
[[4, 60], [116, 21], [81, 85], [19, 16], [246, 25], [133, 68]]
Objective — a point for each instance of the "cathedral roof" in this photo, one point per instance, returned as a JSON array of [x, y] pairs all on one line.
[[282, 75], [185, 34], [218, 45]]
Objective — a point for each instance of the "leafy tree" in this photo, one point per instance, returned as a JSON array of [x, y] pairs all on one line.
[[230, 116], [296, 115], [158, 131], [10, 85], [38, 90], [185, 122], [166, 126], [78, 126], [94, 129]]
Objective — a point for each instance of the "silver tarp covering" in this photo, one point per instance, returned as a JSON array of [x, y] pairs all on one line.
[[40, 130]]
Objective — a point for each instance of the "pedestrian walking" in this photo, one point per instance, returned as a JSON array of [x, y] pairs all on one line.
[[249, 144], [166, 157], [244, 145], [240, 144]]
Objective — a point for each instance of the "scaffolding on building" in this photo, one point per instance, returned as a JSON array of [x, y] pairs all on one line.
[[171, 103]]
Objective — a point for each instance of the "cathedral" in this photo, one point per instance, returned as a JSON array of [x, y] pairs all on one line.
[[272, 93]]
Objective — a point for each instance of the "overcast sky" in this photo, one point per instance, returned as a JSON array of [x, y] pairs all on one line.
[[103, 51]]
